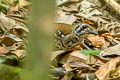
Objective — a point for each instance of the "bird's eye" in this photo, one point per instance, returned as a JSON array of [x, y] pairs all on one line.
[[83, 26]]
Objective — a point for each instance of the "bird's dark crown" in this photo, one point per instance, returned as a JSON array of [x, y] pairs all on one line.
[[84, 29]]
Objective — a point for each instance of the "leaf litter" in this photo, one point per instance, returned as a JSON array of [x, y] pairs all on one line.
[[87, 40], [13, 30]]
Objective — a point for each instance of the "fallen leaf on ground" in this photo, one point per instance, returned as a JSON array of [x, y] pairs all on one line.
[[55, 54], [77, 64], [10, 39], [103, 72], [74, 56], [68, 19], [115, 74], [71, 8], [19, 53], [67, 67], [90, 52], [113, 50], [23, 3], [96, 40], [3, 50], [68, 77]]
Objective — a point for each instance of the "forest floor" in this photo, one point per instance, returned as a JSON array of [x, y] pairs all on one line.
[[87, 40], [13, 37]]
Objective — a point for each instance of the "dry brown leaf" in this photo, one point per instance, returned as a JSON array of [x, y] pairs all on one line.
[[67, 77], [77, 47], [77, 56], [107, 35], [5, 22], [62, 2], [92, 60], [71, 8], [96, 40], [106, 45], [3, 50], [99, 63], [115, 75], [55, 54], [113, 50], [20, 4], [88, 21], [23, 3], [13, 9], [101, 59], [9, 1], [67, 67], [103, 72], [113, 28], [10, 39], [74, 56], [67, 19], [60, 12], [64, 58], [87, 9], [77, 64], [19, 53]]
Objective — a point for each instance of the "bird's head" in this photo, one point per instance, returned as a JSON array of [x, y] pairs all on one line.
[[82, 29]]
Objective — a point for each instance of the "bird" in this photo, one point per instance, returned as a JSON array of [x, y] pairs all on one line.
[[69, 41]]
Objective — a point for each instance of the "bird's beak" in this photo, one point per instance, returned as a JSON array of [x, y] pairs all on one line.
[[93, 32]]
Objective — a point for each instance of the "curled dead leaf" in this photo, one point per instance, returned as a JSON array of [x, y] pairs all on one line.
[[10, 39], [67, 67], [67, 19], [103, 72], [96, 40], [74, 56], [19, 53], [3, 50], [23, 3], [113, 50]]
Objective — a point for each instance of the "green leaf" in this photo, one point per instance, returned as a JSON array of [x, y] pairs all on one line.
[[2, 59], [90, 52], [11, 56], [10, 59], [3, 7]]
